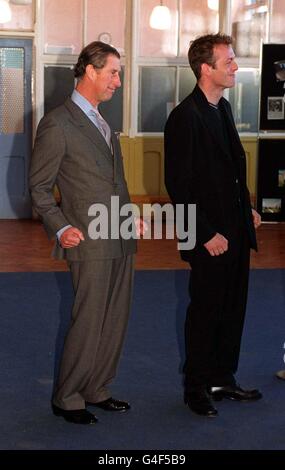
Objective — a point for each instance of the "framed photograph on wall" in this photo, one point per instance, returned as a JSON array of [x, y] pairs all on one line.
[[271, 205], [275, 107], [281, 178], [272, 87], [271, 179]]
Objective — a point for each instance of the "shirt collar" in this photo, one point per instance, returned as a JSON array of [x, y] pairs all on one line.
[[82, 102]]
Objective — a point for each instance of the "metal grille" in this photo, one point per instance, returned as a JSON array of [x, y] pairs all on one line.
[[12, 90]]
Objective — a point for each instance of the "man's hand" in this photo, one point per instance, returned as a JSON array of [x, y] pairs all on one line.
[[71, 237], [256, 218], [141, 226], [217, 245]]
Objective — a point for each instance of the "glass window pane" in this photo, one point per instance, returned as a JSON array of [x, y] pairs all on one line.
[[277, 29], [155, 42], [187, 82], [197, 17], [58, 85], [22, 17], [248, 26], [156, 97], [244, 99], [12, 90], [112, 110], [106, 27], [63, 26]]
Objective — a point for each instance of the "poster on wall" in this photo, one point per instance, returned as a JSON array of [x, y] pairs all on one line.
[[271, 179], [272, 100], [271, 205], [275, 107], [281, 178]]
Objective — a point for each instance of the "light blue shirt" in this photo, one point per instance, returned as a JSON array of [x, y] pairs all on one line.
[[85, 106]]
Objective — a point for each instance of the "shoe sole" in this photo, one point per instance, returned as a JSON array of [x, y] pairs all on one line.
[[69, 420], [214, 415], [78, 422], [123, 410], [211, 415], [242, 400]]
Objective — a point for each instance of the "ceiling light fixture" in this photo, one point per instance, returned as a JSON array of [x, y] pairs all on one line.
[[21, 2], [213, 5], [5, 11], [160, 17]]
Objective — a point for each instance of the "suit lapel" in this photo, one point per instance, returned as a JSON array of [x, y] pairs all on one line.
[[202, 107], [84, 124], [115, 153], [231, 127], [208, 119]]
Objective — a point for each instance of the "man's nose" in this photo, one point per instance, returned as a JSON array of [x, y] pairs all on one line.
[[117, 81], [235, 66]]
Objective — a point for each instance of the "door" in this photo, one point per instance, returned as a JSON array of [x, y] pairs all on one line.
[[15, 127]]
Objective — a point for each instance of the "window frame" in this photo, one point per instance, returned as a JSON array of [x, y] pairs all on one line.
[[69, 60], [131, 61], [225, 8]]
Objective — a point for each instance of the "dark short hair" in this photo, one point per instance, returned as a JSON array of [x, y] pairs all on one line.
[[201, 50], [96, 54]]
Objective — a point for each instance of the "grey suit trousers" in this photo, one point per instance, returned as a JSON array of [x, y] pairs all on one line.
[[95, 337]]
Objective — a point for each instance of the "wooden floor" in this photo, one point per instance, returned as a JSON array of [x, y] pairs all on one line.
[[25, 247]]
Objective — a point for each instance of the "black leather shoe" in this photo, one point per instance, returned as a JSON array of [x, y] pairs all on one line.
[[75, 416], [112, 405], [234, 392], [199, 402]]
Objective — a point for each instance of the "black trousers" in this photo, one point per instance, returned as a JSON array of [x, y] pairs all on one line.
[[215, 317]]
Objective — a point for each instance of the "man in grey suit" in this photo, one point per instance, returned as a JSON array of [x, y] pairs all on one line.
[[76, 150]]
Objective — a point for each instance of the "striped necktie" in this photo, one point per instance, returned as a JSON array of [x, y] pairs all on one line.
[[102, 126]]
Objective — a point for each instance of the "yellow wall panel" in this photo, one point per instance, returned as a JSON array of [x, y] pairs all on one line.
[[144, 165], [250, 147]]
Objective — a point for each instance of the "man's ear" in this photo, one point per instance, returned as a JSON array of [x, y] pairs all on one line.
[[90, 72], [206, 69]]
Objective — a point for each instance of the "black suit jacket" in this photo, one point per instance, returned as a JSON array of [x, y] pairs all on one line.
[[200, 170]]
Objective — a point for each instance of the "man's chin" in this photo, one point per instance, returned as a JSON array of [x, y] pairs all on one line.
[[107, 97]]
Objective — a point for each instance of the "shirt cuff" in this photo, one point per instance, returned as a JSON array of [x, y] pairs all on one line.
[[60, 232]]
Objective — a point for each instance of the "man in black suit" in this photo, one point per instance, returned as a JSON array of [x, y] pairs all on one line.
[[205, 165]]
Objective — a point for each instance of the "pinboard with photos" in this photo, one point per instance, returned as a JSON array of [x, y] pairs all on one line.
[[272, 98], [271, 148], [271, 179]]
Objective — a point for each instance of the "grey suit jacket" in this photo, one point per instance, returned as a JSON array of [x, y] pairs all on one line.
[[71, 152]]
